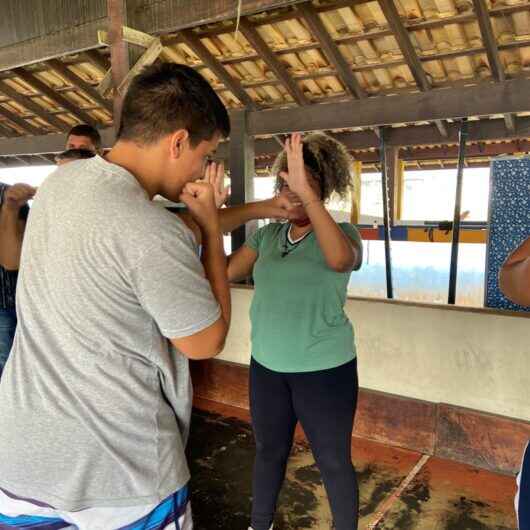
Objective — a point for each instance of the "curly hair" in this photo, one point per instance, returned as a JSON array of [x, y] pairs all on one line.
[[327, 159]]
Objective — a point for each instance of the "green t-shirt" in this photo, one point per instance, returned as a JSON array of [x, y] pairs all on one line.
[[297, 313]]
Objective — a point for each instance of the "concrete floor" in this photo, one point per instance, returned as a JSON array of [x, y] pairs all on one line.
[[441, 495]]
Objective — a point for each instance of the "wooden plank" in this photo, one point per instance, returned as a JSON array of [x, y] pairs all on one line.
[[356, 193], [55, 44], [396, 420], [7, 131], [221, 381], [272, 61], [20, 122], [45, 143], [147, 58], [106, 83], [166, 16], [33, 107], [461, 435], [331, 50], [97, 59], [80, 83], [217, 68], [62, 101], [481, 100]]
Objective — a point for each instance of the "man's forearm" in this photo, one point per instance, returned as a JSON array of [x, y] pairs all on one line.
[[11, 236], [214, 262]]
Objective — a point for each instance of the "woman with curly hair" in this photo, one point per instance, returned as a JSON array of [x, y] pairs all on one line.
[[303, 364]]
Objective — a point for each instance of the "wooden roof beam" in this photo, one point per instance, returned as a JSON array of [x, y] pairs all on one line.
[[80, 83], [29, 104], [272, 61], [409, 53], [331, 50], [20, 122], [492, 51], [7, 132], [96, 59], [484, 99], [60, 100], [232, 84]]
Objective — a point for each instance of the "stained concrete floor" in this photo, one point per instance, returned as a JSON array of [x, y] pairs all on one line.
[[443, 496]]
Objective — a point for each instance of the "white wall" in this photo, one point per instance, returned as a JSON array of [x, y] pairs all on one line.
[[479, 360]]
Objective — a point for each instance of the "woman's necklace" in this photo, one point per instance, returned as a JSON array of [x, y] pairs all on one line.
[[288, 247]]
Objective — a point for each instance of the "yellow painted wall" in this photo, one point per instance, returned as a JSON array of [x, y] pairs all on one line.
[[479, 360]]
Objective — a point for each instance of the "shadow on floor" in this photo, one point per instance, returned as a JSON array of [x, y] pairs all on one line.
[[443, 496]]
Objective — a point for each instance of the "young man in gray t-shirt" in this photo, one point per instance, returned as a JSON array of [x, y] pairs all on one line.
[[94, 404]]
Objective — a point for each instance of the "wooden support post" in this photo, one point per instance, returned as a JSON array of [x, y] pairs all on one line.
[[386, 217], [458, 207], [399, 191], [119, 53], [241, 169], [392, 172], [356, 193]]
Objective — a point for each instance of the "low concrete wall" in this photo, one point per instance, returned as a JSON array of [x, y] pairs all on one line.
[[469, 358]]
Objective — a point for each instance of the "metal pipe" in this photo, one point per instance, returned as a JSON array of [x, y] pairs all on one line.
[[386, 215], [458, 207]]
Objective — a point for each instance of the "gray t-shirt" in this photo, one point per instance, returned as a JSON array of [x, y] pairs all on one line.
[[94, 405]]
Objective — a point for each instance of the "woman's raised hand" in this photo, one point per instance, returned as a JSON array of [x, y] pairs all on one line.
[[296, 176], [215, 176]]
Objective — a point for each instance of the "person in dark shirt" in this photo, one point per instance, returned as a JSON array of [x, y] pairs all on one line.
[[13, 215]]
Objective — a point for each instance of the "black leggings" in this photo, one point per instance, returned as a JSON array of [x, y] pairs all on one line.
[[324, 402]]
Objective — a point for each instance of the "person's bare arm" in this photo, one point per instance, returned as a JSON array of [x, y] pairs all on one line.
[[342, 254], [241, 263], [199, 199], [514, 276], [11, 226]]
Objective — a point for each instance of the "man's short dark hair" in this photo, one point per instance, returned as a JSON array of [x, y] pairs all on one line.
[[89, 132], [75, 154], [167, 97]]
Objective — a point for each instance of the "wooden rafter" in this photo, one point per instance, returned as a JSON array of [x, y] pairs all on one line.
[[96, 59], [20, 122], [331, 50], [409, 53], [33, 107], [47, 91], [492, 51], [7, 131], [272, 61], [216, 67], [79, 83], [147, 58]]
